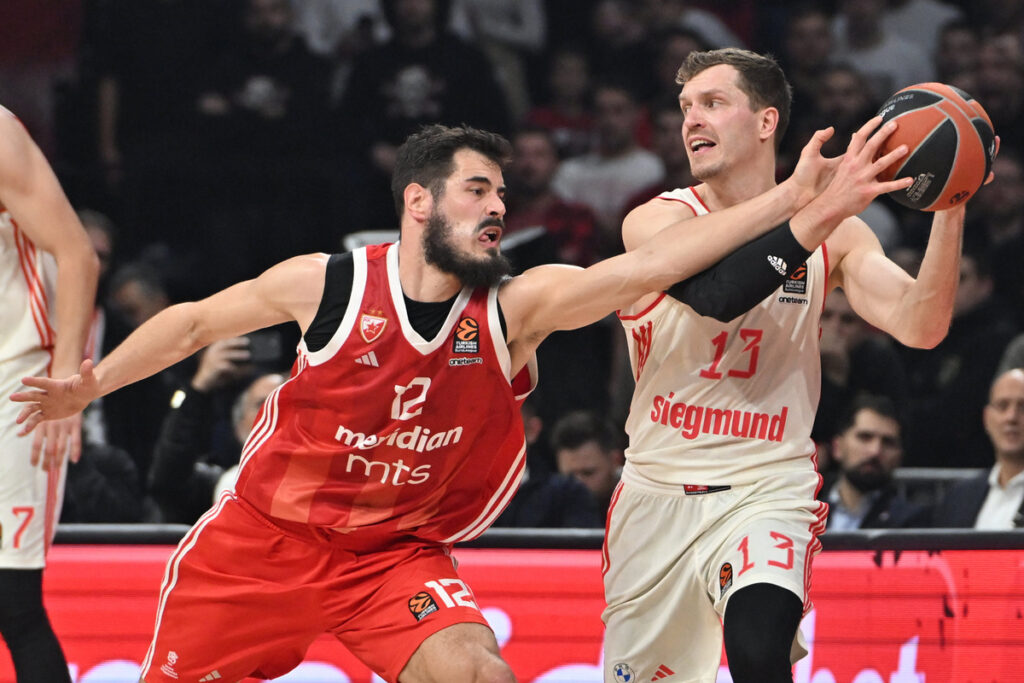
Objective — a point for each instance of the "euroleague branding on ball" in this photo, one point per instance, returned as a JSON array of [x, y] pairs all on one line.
[[950, 144]]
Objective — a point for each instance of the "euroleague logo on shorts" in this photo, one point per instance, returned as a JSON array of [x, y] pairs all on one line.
[[422, 604], [725, 578], [467, 336]]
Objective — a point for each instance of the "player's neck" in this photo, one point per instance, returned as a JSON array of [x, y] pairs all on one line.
[[421, 281], [738, 185]]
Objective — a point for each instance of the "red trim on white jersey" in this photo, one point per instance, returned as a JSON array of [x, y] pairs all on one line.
[[606, 562], [38, 302], [813, 548], [644, 312]]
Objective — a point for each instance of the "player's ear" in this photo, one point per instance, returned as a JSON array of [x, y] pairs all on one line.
[[419, 203], [769, 122]]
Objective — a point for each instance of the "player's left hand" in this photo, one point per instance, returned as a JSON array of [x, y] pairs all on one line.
[[55, 439]]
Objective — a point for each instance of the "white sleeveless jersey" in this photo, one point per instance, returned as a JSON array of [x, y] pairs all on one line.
[[27, 290], [723, 404]]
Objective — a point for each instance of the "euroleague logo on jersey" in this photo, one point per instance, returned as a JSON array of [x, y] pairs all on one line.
[[797, 282], [467, 336]]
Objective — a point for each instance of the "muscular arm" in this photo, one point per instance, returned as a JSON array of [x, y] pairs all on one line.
[[30, 191], [916, 312], [290, 290]]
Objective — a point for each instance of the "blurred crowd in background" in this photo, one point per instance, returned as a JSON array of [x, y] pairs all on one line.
[[204, 140]]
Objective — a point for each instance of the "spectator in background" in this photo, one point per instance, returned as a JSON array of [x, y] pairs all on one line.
[[187, 467], [854, 359], [713, 32], [956, 52], [887, 60], [999, 86], [605, 179], [668, 145], [507, 31], [149, 55], [920, 22], [673, 43], [618, 47], [994, 500], [1013, 356], [585, 447], [998, 223], [417, 77], [577, 361], [949, 384], [868, 448], [844, 100], [566, 111], [132, 414], [108, 327], [103, 487], [807, 48], [262, 111], [547, 499], [568, 229]]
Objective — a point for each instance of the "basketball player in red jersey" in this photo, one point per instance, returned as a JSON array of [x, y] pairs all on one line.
[[398, 433], [715, 517], [48, 273]]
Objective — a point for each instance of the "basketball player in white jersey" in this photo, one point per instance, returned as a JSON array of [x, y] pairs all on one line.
[[715, 517], [448, 189], [48, 273]]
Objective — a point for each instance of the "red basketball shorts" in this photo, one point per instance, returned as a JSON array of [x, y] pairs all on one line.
[[241, 596]]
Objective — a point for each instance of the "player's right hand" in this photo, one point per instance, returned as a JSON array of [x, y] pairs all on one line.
[[855, 183], [814, 172], [55, 399]]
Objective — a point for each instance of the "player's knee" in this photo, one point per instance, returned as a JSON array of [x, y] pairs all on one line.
[[760, 623], [495, 670]]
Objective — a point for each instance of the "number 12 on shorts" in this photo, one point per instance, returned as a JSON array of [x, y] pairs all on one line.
[[423, 603]]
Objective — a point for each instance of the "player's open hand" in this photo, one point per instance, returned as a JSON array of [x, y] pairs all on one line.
[[814, 172], [855, 183], [55, 399], [56, 439]]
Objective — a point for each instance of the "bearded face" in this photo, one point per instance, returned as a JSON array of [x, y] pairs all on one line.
[[441, 251]]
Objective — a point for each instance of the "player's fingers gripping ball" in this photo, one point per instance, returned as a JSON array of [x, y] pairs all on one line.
[[950, 140]]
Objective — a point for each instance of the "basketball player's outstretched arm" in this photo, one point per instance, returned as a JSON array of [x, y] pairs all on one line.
[[549, 298], [30, 192], [290, 290], [915, 311]]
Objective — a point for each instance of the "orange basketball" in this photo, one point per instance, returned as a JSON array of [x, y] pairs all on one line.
[[950, 140]]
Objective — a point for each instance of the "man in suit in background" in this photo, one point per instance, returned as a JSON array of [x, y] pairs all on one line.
[[995, 499], [867, 448]]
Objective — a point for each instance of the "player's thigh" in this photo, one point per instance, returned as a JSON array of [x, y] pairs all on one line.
[[238, 599], [30, 498], [405, 596], [461, 652], [659, 616]]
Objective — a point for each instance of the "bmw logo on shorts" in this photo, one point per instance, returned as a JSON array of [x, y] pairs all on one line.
[[623, 674]]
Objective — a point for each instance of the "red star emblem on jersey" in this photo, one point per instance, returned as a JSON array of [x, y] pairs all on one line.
[[371, 326]]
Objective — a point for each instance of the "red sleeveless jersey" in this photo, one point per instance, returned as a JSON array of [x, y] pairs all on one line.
[[382, 433]]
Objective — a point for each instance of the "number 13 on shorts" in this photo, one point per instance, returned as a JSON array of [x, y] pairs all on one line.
[[761, 555]]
